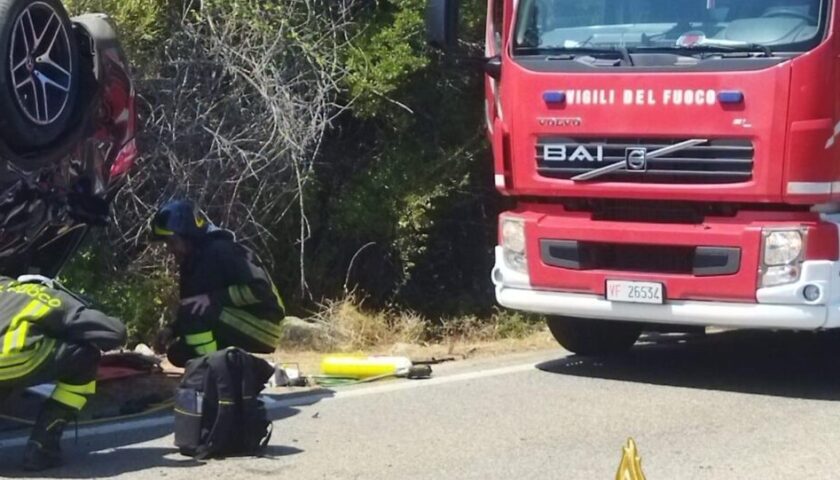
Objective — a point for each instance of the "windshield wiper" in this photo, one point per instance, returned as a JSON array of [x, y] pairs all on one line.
[[711, 47], [573, 52]]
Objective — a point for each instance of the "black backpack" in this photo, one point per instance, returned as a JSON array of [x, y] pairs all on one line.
[[217, 409]]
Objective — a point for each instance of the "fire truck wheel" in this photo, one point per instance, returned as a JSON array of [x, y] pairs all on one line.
[[593, 337]]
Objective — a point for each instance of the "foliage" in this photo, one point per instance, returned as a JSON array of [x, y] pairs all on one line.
[[141, 297], [326, 133], [408, 172], [388, 51], [236, 115]]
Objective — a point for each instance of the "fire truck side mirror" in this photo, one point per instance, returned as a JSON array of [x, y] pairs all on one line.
[[493, 67], [442, 24]]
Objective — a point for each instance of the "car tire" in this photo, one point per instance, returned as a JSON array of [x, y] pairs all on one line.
[[39, 65], [594, 337]]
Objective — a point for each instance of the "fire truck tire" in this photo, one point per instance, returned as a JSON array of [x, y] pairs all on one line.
[[585, 336]]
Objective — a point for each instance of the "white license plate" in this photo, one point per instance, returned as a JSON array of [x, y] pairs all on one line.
[[635, 292]]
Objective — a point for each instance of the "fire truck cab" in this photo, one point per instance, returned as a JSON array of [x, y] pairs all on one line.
[[672, 163]]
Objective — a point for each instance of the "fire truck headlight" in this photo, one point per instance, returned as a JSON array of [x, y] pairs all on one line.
[[782, 247], [513, 244], [513, 235], [782, 253]]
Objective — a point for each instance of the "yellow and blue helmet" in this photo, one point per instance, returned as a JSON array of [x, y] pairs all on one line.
[[179, 217]]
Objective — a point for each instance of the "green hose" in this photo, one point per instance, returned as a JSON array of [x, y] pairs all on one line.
[[155, 409], [335, 381]]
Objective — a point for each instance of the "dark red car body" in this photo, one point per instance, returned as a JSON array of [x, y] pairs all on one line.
[[50, 198]]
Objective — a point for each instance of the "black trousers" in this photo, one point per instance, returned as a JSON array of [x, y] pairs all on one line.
[[179, 353], [72, 363], [68, 364]]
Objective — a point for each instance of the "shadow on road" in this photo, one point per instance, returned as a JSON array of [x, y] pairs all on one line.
[[797, 365], [114, 454]]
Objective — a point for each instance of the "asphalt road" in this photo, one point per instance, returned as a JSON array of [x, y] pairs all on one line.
[[732, 405]]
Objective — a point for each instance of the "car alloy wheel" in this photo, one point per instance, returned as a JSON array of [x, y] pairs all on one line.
[[41, 62]]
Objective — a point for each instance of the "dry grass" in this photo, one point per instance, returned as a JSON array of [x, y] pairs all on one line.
[[348, 326]]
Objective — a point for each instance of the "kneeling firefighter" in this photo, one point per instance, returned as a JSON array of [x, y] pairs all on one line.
[[48, 335], [227, 297]]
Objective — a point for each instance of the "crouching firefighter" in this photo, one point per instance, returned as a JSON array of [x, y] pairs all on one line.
[[227, 298], [50, 336]]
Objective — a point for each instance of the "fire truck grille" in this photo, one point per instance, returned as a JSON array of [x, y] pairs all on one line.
[[715, 161]]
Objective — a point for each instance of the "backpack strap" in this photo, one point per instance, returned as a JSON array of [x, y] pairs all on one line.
[[222, 364], [255, 373], [269, 430]]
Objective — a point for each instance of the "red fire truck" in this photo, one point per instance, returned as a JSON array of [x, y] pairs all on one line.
[[673, 162]]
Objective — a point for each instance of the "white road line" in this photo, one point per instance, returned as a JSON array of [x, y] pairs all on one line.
[[298, 401], [395, 387]]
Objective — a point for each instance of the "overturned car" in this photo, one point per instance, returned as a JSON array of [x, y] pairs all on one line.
[[67, 126]]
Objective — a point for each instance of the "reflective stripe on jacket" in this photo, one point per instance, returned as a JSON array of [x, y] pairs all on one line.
[[236, 281], [34, 317]]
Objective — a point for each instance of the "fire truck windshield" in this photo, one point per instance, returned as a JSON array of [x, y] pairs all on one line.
[[546, 26]]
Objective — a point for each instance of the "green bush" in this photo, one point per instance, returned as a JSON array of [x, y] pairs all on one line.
[[142, 299], [408, 171], [510, 324]]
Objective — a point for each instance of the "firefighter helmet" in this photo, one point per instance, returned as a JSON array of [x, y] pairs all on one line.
[[179, 217]]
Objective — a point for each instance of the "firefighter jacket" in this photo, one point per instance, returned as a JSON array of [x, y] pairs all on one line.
[[243, 295], [35, 319]]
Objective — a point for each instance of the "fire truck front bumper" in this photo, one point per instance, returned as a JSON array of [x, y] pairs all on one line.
[[777, 308]]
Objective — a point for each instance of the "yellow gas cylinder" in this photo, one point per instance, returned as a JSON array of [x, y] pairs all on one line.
[[353, 366]]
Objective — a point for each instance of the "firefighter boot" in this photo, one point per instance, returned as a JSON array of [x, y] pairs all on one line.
[[44, 448]]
